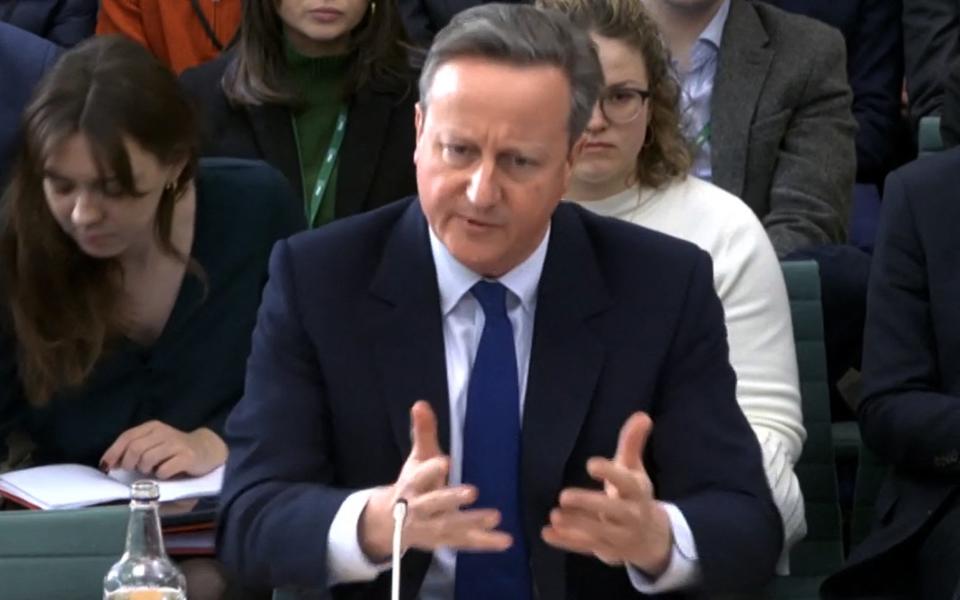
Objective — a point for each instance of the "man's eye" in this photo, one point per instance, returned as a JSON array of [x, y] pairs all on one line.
[[457, 153], [522, 162]]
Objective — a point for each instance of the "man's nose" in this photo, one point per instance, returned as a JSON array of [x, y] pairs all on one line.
[[483, 189]]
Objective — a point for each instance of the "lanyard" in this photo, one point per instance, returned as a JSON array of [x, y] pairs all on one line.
[[326, 170]]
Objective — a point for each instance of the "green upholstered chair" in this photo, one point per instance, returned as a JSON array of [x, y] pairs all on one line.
[[59, 554], [928, 136], [821, 552]]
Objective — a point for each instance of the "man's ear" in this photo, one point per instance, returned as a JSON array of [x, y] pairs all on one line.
[[419, 115]]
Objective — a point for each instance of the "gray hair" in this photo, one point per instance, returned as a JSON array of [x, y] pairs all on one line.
[[521, 35]]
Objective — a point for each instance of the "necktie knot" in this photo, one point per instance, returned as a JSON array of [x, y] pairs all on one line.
[[492, 296]]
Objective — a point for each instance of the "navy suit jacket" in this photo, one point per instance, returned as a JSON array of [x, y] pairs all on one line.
[[910, 413], [350, 335], [874, 39], [24, 58], [63, 22]]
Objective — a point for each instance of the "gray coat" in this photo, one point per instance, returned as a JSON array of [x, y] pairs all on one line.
[[782, 127]]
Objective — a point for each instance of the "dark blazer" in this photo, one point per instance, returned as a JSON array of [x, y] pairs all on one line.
[[910, 413], [931, 41], [376, 160], [950, 119], [783, 131], [63, 22], [193, 374], [350, 335], [424, 18], [874, 38], [24, 58]]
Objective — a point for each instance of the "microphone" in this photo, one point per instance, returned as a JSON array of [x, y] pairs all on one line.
[[399, 517]]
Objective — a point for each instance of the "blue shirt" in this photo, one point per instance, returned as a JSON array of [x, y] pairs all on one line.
[[697, 91]]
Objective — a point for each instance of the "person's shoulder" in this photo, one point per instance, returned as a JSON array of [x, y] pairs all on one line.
[[350, 238], [711, 204], [205, 78], [929, 182], [33, 53], [794, 32], [619, 242], [249, 193]]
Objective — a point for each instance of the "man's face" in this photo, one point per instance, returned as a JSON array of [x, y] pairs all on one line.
[[493, 159]]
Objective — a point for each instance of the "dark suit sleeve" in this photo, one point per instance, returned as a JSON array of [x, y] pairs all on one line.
[[277, 501], [931, 31], [950, 120], [904, 416], [811, 188], [704, 455], [876, 74], [74, 22]]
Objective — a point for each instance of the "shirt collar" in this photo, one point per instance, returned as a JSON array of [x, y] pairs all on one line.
[[455, 279], [713, 34]]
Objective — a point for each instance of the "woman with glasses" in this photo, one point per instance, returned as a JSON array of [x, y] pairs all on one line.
[[634, 166], [325, 93]]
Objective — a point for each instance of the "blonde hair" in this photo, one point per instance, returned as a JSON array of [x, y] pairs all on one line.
[[666, 154]]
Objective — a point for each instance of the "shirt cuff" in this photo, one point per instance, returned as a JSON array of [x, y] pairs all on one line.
[[346, 562], [684, 568]]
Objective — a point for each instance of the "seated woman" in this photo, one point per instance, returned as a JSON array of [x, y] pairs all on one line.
[[325, 95], [634, 166], [129, 277]]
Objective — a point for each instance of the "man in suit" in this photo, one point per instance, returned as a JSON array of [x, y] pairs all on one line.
[[424, 18], [541, 339], [24, 58], [874, 42], [931, 42], [768, 106], [910, 414]]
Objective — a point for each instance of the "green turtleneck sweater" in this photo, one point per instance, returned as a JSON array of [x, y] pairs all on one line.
[[320, 83]]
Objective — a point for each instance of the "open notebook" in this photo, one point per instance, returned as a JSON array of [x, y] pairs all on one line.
[[76, 486]]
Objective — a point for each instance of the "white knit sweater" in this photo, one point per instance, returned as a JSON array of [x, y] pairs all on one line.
[[748, 279]]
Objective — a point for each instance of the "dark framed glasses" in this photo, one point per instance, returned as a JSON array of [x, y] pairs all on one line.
[[622, 104]]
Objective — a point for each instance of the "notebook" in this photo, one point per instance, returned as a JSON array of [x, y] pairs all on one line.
[[75, 486]]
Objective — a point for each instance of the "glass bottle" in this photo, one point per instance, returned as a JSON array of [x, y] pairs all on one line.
[[144, 572]]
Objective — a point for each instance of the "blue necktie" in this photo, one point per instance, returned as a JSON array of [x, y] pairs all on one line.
[[491, 455]]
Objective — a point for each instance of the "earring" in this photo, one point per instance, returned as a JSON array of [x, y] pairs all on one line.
[[169, 187]]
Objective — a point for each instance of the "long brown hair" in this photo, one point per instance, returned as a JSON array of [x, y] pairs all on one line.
[[665, 155], [65, 306], [380, 56]]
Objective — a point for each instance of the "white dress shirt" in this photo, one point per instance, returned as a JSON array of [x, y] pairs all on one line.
[[463, 321]]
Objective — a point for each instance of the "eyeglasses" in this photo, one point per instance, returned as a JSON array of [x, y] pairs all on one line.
[[622, 104]]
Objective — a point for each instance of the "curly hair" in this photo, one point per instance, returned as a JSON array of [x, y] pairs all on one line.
[[666, 154]]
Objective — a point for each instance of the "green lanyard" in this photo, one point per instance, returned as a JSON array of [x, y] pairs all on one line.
[[326, 170], [703, 137]]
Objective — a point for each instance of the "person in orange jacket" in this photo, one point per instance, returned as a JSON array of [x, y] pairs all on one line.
[[181, 33]]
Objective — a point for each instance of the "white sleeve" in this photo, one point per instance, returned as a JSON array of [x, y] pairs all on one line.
[[750, 284], [346, 562], [684, 568]]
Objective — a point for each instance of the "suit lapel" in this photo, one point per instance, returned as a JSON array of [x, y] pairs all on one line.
[[273, 131], [745, 58], [366, 127], [565, 364], [407, 331]]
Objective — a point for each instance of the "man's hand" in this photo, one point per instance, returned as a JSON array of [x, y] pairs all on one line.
[[155, 448], [624, 523], [434, 515]]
